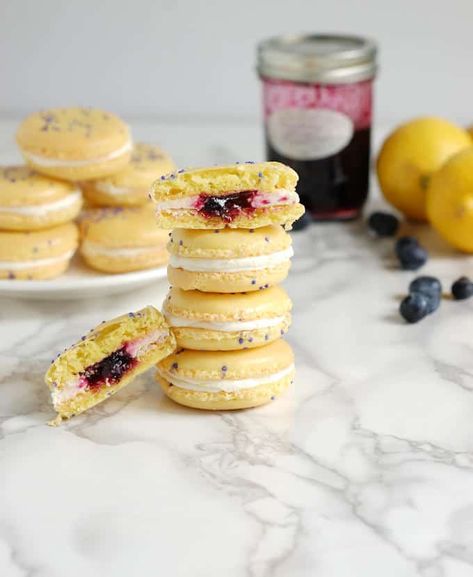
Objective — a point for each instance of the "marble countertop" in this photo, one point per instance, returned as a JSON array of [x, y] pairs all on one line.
[[365, 468]]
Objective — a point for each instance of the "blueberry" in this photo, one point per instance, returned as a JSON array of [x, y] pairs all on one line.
[[404, 243], [462, 288], [414, 307], [410, 253], [383, 223], [302, 222], [433, 301], [426, 285]]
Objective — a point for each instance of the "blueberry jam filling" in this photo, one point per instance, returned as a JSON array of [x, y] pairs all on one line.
[[226, 207], [109, 370]]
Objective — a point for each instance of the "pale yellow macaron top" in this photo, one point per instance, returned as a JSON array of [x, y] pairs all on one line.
[[231, 365], [21, 185], [41, 244], [122, 227], [222, 180], [73, 134], [148, 162], [228, 242], [197, 305]]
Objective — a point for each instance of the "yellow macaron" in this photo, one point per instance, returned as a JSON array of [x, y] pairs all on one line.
[[130, 186], [37, 255], [247, 195], [229, 260], [117, 240], [29, 201], [225, 322], [226, 380], [108, 358], [75, 143]]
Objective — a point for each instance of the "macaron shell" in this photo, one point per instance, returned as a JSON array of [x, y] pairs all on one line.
[[208, 365], [283, 215], [18, 246], [72, 133], [207, 340], [220, 180], [122, 227], [222, 401], [20, 185], [122, 264], [228, 242], [148, 162], [196, 305], [75, 134], [228, 282]]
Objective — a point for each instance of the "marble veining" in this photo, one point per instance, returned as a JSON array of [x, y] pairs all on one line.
[[364, 468]]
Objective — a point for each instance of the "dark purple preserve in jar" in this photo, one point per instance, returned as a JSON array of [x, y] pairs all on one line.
[[317, 97]]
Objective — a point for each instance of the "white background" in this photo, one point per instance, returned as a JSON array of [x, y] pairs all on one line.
[[185, 59]]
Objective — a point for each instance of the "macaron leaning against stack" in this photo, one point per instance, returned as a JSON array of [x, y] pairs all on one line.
[[108, 358], [130, 186], [226, 380], [229, 260], [220, 322], [118, 240], [75, 143], [29, 201], [247, 195], [37, 255]]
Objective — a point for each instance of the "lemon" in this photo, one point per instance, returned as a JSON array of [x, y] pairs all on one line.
[[450, 200], [410, 155]]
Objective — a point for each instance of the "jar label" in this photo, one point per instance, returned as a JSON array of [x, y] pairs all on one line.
[[309, 134]]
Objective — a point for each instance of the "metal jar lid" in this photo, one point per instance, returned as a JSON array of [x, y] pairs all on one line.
[[324, 58]]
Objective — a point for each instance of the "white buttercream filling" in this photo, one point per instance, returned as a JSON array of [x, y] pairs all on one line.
[[43, 209], [135, 348], [12, 265], [59, 163], [92, 249], [113, 190], [228, 326], [231, 264], [226, 385], [261, 200]]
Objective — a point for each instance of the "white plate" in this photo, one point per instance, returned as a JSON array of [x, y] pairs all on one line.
[[80, 282]]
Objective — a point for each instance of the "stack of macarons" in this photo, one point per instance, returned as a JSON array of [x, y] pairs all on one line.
[[71, 153], [228, 251]]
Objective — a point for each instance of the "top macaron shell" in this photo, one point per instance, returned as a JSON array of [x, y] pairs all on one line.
[[75, 143], [30, 201], [246, 195], [130, 186]]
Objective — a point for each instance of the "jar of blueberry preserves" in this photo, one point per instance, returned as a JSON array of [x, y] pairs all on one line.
[[317, 98]]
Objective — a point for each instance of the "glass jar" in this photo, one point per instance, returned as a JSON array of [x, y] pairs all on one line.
[[317, 98]]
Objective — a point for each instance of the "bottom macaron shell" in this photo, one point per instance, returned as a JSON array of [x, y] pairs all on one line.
[[122, 264], [224, 401], [228, 282], [206, 340], [88, 172], [37, 273]]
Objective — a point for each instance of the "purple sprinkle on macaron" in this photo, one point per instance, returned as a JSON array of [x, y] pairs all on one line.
[[250, 339], [11, 275], [181, 243], [273, 398], [266, 238], [224, 368], [260, 174], [241, 340], [180, 171], [266, 337], [174, 367], [253, 281]]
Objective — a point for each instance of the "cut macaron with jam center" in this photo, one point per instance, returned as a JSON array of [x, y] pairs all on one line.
[[106, 359], [212, 321], [243, 195], [229, 260], [226, 380]]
